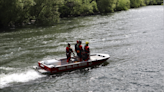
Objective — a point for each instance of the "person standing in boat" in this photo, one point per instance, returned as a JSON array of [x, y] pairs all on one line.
[[87, 51], [76, 46], [68, 52], [79, 50]]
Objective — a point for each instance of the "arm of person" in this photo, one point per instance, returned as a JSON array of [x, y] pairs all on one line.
[[72, 51]]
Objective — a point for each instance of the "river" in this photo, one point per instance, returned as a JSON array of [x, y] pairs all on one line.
[[134, 39]]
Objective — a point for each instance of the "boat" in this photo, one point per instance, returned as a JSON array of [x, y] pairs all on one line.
[[53, 66]]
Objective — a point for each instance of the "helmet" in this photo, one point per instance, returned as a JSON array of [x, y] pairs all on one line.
[[80, 42], [77, 41], [86, 42]]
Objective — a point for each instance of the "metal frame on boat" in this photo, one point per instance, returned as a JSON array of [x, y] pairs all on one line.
[[61, 65]]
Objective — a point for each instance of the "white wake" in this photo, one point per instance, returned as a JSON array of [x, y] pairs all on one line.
[[7, 79]]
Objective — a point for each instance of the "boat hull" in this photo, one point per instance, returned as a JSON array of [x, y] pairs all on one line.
[[51, 69]]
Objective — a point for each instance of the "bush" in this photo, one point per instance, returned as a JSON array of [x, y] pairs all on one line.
[[94, 5], [78, 7], [106, 6], [135, 3], [123, 5], [15, 12], [46, 11]]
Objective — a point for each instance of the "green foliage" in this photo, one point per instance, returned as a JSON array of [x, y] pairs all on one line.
[[135, 3], [46, 11], [23, 8], [65, 8], [14, 11], [94, 5], [7, 9], [142, 3], [83, 8], [123, 5], [155, 2], [78, 7], [105, 6], [152, 2], [17, 12], [138, 3]]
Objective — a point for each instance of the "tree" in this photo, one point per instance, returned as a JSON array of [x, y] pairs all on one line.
[[105, 6], [122, 5], [9, 12], [46, 11], [14, 11], [24, 7], [78, 7], [135, 3]]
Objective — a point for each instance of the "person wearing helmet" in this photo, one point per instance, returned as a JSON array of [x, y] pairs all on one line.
[[79, 50], [87, 51], [76, 46], [68, 52]]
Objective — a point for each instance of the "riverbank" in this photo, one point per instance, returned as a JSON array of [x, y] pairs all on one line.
[[48, 12]]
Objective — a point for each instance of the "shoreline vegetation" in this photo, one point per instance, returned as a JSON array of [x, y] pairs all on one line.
[[17, 13]]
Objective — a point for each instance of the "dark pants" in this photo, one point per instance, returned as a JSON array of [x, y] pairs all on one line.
[[68, 58], [80, 56], [86, 56]]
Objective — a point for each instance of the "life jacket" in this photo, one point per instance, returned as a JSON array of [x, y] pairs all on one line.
[[86, 49], [79, 49], [68, 50]]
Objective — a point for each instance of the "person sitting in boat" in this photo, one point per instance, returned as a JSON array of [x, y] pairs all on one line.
[[76, 46], [79, 50], [87, 51], [68, 52]]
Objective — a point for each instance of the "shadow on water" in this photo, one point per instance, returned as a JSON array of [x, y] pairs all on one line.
[[77, 71]]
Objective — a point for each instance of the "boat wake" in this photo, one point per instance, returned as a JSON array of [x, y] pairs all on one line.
[[6, 68], [7, 79]]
